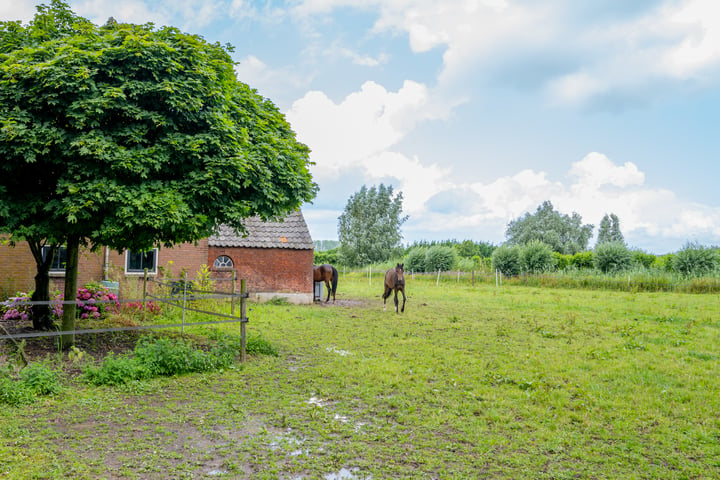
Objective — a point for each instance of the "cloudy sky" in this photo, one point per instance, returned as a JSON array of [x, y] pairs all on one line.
[[480, 110]]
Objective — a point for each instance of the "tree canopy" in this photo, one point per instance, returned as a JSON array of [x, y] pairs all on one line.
[[369, 227], [609, 230], [132, 136], [563, 233]]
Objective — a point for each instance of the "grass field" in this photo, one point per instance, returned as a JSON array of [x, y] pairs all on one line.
[[470, 382]]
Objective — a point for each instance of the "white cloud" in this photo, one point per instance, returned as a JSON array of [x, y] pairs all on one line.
[[14, 10], [594, 186], [585, 52], [700, 48], [365, 124], [596, 170], [187, 15], [270, 82], [417, 182]]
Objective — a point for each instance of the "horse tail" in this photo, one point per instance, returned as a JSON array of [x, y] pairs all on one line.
[[334, 280]]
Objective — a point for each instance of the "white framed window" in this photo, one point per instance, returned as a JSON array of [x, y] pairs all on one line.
[[60, 260], [223, 261], [137, 262]]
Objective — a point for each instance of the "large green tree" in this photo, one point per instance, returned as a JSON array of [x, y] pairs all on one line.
[[132, 136], [369, 227], [563, 233], [609, 230], [31, 223]]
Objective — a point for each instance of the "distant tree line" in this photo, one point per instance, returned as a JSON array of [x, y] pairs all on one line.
[[543, 241]]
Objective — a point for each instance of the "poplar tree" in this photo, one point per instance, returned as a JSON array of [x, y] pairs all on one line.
[[609, 230], [369, 227]]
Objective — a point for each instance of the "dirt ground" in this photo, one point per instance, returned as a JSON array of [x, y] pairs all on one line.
[[97, 346], [34, 349]]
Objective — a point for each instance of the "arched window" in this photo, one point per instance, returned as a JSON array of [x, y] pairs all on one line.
[[223, 261]]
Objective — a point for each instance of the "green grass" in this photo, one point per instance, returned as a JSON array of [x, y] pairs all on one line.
[[470, 382]]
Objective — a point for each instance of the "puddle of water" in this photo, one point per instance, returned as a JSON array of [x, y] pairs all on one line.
[[284, 441], [217, 472], [342, 353], [317, 401], [344, 474]]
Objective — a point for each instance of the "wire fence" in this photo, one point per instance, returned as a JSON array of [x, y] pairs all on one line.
[[179, 294], [630, 281]]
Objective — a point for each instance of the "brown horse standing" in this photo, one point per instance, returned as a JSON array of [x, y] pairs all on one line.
[[328, 274], [394, 281]]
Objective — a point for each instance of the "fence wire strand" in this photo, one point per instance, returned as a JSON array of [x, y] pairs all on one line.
[[171, 300]]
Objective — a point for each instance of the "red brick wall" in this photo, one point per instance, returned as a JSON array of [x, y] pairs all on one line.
[[185, 256], [270, 269], [265, 269], [17, 269]]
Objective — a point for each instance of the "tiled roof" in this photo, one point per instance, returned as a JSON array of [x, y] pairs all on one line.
[[292, 233]]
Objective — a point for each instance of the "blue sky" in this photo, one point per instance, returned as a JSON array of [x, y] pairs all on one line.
[[480, 110]]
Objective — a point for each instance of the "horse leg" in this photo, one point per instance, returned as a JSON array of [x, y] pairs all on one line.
[[396, 301], [385, 296], [327, 285], [403, 305]]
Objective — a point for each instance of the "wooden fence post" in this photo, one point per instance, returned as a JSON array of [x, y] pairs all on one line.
[[144, 293], [232, 290], [243, 321]]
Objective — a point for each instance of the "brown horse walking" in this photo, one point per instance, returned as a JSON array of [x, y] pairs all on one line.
[[328, 274], [394, 281]]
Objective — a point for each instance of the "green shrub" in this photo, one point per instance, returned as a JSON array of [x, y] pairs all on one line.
[[612, 257], [695, 260], [40, 379], [258, 345], [507, 260], [537, 257], [664, 262], [15, 393], [440, 257], [415, 260], [326, 256], [582, 260], [466, 264], [562, 261], [166, 357], [115, 370], [643, 259]]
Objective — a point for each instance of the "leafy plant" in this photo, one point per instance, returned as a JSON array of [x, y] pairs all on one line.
[[581, 260], [507, 260], [115, 370], [695, 259], [440, 258], [40, 379], [415, 259], [203, 278], [537, 257], [611, 257], [15, 393], [166, 357]]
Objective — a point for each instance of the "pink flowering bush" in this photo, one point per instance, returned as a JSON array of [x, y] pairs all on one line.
[[93, 301], [137, 307], [18, 308]]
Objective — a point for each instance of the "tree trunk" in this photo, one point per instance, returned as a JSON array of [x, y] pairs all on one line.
[[42, 314], [69, 309]]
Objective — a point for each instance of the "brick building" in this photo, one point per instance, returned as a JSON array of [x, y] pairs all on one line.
[[276, 259]]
